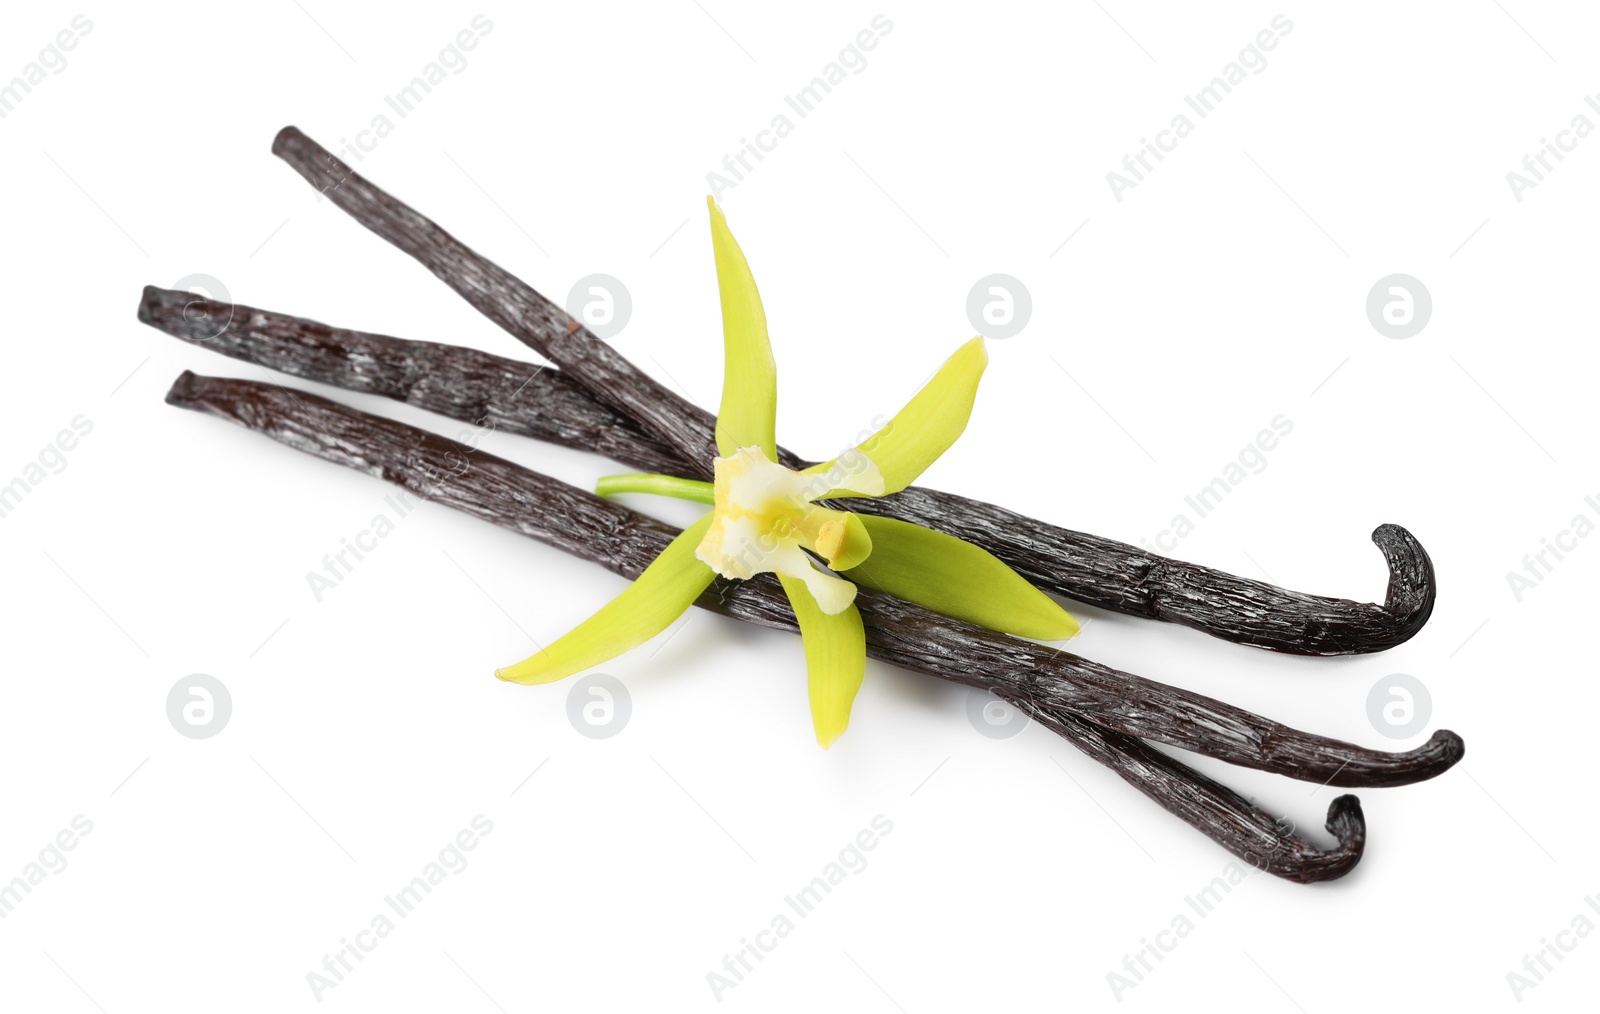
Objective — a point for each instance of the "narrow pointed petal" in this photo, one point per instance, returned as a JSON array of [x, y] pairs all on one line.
[[666, 589], [931, 421], [954, 577], [836, 660], [748, 415]]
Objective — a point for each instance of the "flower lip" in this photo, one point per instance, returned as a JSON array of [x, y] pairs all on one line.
[[764, 519]]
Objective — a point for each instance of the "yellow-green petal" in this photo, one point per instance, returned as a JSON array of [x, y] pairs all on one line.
[[749, 411], [931, 421], [954, 577], [666, 589], [836, 659]]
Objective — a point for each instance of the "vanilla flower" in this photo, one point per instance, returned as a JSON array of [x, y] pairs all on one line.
[[767, 518]]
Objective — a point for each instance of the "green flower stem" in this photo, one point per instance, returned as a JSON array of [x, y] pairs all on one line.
[[661, 485]]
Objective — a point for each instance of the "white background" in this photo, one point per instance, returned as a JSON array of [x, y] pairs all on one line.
[[367, 729]]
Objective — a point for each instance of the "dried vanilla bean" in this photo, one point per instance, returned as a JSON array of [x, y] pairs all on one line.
[[511, 303], [1212, 808], [918, 639], [493, 392], [1058, 680], [573, 520], [546, 404]]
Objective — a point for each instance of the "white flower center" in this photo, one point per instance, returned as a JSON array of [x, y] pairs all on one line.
[[764, 519]]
